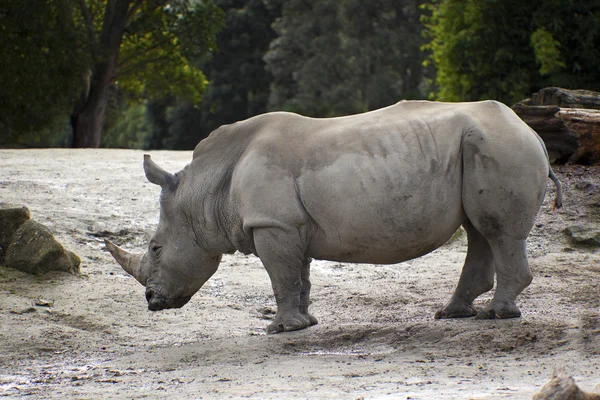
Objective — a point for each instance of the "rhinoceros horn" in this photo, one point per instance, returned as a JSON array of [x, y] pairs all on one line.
[[131, 263], [159, 176]]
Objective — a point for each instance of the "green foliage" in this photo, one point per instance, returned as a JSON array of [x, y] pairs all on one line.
[[163, 48], [547, 51], [238, 82], [341, 57], [477, 48], [175, 124], [129, 128], [42, 67], [575, 26], [171, 86], [505, 50], [56, 54]]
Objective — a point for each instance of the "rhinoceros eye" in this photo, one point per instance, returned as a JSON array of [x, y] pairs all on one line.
[[156, 250]]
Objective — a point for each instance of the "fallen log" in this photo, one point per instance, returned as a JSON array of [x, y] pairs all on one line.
[[566, 98], [562, 142], [586, 124], [567, 120]]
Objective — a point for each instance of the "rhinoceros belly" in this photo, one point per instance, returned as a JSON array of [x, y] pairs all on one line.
[[382, 209]]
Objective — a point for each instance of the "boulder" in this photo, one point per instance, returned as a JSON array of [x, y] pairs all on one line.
[[583, 236], [34, 249], [11, 218]]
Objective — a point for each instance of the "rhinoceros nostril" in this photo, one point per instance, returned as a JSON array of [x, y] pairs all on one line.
[[149, 294]]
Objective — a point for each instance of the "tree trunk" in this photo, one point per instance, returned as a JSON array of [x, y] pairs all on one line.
[[88, 117]]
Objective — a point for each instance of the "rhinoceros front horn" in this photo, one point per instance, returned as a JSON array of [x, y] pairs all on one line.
[[159, 176], [131, 263]]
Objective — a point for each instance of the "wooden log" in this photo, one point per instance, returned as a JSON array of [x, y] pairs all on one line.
[[586, 124], [566, 98], [561, 142], [567, 120], [525, 107]]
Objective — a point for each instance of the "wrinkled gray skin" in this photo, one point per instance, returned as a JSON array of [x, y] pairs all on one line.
[[381, 187]]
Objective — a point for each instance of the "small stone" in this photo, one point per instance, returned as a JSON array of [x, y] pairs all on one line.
[[24, 311], [584, 185], [44, 303]]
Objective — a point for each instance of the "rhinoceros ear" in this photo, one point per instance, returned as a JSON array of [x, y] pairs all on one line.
[[159, 176]]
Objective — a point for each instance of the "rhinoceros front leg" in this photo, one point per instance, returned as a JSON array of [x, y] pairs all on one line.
[[305, 292], [282, 255]]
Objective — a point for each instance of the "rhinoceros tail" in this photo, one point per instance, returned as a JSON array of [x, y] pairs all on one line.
[[559, 194], [558, 200]]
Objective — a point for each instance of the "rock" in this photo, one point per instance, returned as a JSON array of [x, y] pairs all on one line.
[[34, 249], [583, 236], [11, 218], [44, 303], [584, 185], [563, 387]]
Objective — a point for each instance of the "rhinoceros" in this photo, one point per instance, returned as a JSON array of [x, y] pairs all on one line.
[[380, 187]]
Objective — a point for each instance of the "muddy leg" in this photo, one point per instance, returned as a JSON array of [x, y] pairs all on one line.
[[512, 274], [477, 277], [281, 254]]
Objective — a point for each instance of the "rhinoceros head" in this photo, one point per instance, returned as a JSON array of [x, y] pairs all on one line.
[[176, 265]]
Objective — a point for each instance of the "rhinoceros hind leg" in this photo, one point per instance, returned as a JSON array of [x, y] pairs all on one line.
[[499, 311], [289, 270], [477, 277], [512, 274]]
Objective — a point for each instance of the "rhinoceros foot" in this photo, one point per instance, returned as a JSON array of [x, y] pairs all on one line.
[[499, 310], [456, 311], [291, 323]]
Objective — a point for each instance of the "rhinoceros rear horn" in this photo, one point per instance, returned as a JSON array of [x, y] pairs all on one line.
[[159, 176]]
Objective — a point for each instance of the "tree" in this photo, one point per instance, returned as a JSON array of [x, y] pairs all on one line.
[[384, 36], [340, 57], [238, 84], [42, 56], [145, 47], [62, 57], [238, 81], [506, 50]]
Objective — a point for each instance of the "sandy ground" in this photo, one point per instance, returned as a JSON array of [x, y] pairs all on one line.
[[376, 338]]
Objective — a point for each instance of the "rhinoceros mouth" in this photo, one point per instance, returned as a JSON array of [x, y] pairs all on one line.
[[157, 302]]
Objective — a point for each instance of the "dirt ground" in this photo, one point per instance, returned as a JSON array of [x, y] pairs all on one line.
[[92, 336]]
